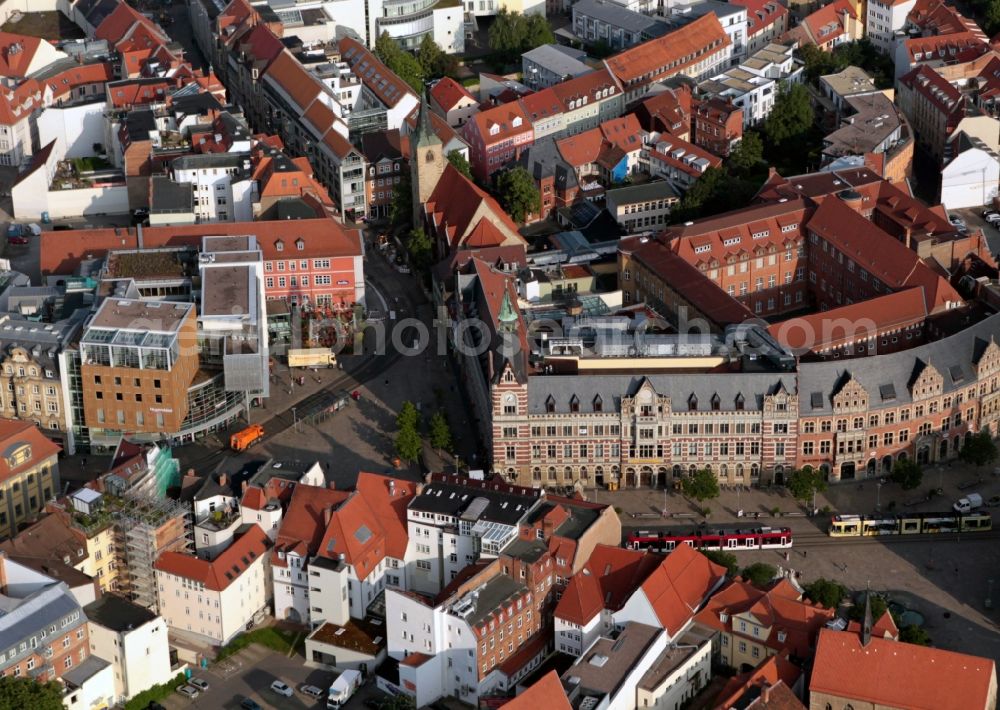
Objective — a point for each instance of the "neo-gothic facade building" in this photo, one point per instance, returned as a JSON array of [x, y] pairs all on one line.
[[850, 418]]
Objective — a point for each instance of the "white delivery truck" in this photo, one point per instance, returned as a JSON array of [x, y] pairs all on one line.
[[312, 357], [342, 689], [969, 503]]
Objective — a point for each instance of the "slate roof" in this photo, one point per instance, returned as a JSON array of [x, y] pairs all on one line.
[[506, 504], [679, 387]]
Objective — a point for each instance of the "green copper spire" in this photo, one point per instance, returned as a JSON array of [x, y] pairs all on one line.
[[508, 316], [425, 135]]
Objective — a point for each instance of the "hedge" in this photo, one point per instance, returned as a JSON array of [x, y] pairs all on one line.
[[156, 693]]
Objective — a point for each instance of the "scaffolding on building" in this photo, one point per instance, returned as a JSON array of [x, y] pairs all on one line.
[[146, 526]]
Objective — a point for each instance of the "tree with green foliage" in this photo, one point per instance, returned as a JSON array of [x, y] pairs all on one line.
[[440, 432], [724, 559], [420, 248], [747, 155], [760, 574], [460, 163], [513, 34], [434, 61], [701, 485], [806, 482], [401, 207], [825, 592], [791, 116], [879, 607], [400, 62], [518, 193], [979, 450], [914, 634], [408, 443], [861, 53], [907, 473], [21, 693]]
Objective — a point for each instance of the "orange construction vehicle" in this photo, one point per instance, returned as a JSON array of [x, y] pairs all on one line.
[[245, 438]]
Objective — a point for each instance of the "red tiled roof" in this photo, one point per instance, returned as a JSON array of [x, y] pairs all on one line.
[[883, 256], [14, 63], [678, 586], [610, 577], [670, 54], [375, 75], [354, 532], [884, 627], [687, 280], [776, 669], [415, 660], [594, 86], [546, 694], [778, 608], [301, 85], [261, 45], [761, 13], [13, 434], [814, 331], [955, 48], [448, 94], [454, 203], [117, 26], [509, 120], [820, 22], [542, 104], [935, 89], [61, 252], [304, 523], [225, 569], [388, 498], [903, 675]]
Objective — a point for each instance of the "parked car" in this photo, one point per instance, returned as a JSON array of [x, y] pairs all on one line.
[[992, 217], [17, 239], [312, 691], [188, 691], [249, 704], [281, 688], [993, 502], [956, 221], [198, 683], [34, 229], [989, 210]]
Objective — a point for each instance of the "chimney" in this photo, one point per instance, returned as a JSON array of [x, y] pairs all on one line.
[[244, 486], [765, 693], [327, 515], [138, 234], [223, 478], [332, 485]]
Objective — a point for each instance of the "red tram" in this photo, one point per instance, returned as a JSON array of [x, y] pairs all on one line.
[[706, 538]]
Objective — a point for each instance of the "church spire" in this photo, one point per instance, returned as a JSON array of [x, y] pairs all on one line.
[[507, 316], [425, 135], [866, 623]]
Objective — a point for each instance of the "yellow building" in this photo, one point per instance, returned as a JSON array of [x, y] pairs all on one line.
[[29, 474], [751, 624]]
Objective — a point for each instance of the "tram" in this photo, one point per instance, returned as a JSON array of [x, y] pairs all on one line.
[[908, 524], [704, 538]]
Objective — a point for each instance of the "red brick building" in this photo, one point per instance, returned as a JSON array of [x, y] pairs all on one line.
[[716, 125], [496, 138]]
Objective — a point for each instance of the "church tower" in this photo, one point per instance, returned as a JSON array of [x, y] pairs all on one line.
[[427, 161]]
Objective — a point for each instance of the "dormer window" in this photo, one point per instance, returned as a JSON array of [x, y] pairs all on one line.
[[516, 123], [19, 456], [280, 246], [715, 403], [299, 244], [692, 403], [598, 404], [782, 636], [574, 404], [740, 402], [723, 617], [550, 405], [494, 130]]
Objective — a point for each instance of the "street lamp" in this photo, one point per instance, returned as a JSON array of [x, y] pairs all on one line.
[[878, 497]]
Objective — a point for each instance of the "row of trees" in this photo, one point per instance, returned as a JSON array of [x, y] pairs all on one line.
[[806, 482], [409, 442]]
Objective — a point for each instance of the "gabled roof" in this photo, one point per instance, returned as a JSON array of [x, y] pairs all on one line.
[[16, 53], [546, 694], [448, 94], [501, 123], [225, 569], [903, 675], [825, 24], [679, 586], [745, 686], [15, 434], [610, 577], [354, 532], [454, 203], [793, 623], [761, 14], [388, 499], [375, 75], [670, 54], [593, 86], [293, 78], [303, 523]]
